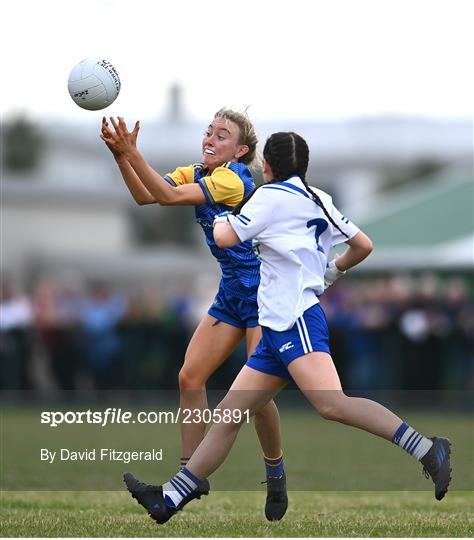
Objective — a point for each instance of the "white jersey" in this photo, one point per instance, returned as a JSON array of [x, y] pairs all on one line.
[[292, 237]]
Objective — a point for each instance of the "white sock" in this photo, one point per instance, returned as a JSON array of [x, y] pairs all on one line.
[[179, 487], [411, 441]]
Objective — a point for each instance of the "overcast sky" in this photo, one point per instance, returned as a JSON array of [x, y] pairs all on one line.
[[286, 59]]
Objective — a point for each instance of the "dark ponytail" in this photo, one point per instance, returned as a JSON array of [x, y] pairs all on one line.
[[285, 158], [287, 154], [319, 202]]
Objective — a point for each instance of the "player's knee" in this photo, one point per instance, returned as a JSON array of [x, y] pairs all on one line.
[[267, 412], [333, 410], [329, 412], [190, 380], [230, 414]]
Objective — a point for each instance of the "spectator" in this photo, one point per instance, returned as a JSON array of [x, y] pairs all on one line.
[[57, 312], [99, 316], [16, 338]]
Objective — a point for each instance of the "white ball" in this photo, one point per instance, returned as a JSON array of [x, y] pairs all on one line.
[[93, 84]]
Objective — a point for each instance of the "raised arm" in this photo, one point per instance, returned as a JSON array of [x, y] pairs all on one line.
[[130, 177], [124, 142]]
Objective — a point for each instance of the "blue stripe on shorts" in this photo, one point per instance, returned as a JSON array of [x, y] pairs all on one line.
[[277, 350]]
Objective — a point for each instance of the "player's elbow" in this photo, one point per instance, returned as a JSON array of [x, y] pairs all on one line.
[[143, 202], [368, 246], [172, 198], [362, 243], [225, 236], [222, 238], [165, 200]]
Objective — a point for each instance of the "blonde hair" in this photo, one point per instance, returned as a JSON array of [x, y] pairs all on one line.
[[248, 135]]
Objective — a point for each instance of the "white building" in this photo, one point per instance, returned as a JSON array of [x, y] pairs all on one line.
[[75, 207]]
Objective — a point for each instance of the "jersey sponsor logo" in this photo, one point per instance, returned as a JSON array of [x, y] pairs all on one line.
[[205, 223], [286, 346]]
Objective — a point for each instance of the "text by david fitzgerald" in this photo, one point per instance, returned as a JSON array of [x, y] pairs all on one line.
[[100, 454]]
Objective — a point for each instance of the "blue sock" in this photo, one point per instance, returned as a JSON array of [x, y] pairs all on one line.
[[179, 487], [274, 468], [411, 441]]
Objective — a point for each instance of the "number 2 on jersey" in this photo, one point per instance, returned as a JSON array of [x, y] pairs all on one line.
[[321, 225]]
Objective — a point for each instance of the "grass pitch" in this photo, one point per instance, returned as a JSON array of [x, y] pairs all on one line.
[[240, 514], [343, 483]]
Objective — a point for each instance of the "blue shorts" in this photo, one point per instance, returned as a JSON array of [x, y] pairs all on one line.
[[234, 311], [277, 349]]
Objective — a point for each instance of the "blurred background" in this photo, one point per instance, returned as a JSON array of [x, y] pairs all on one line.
[[99, 293]]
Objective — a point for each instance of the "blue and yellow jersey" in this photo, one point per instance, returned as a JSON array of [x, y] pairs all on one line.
[[224, 188]]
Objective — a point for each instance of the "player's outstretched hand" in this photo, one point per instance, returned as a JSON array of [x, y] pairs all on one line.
[[119, 141], [108, 137]]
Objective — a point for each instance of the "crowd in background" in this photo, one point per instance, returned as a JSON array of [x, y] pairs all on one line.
[[390, 332]]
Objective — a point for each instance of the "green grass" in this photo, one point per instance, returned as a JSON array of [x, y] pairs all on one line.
[[226, 514], [320, 455], [342, 481]]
